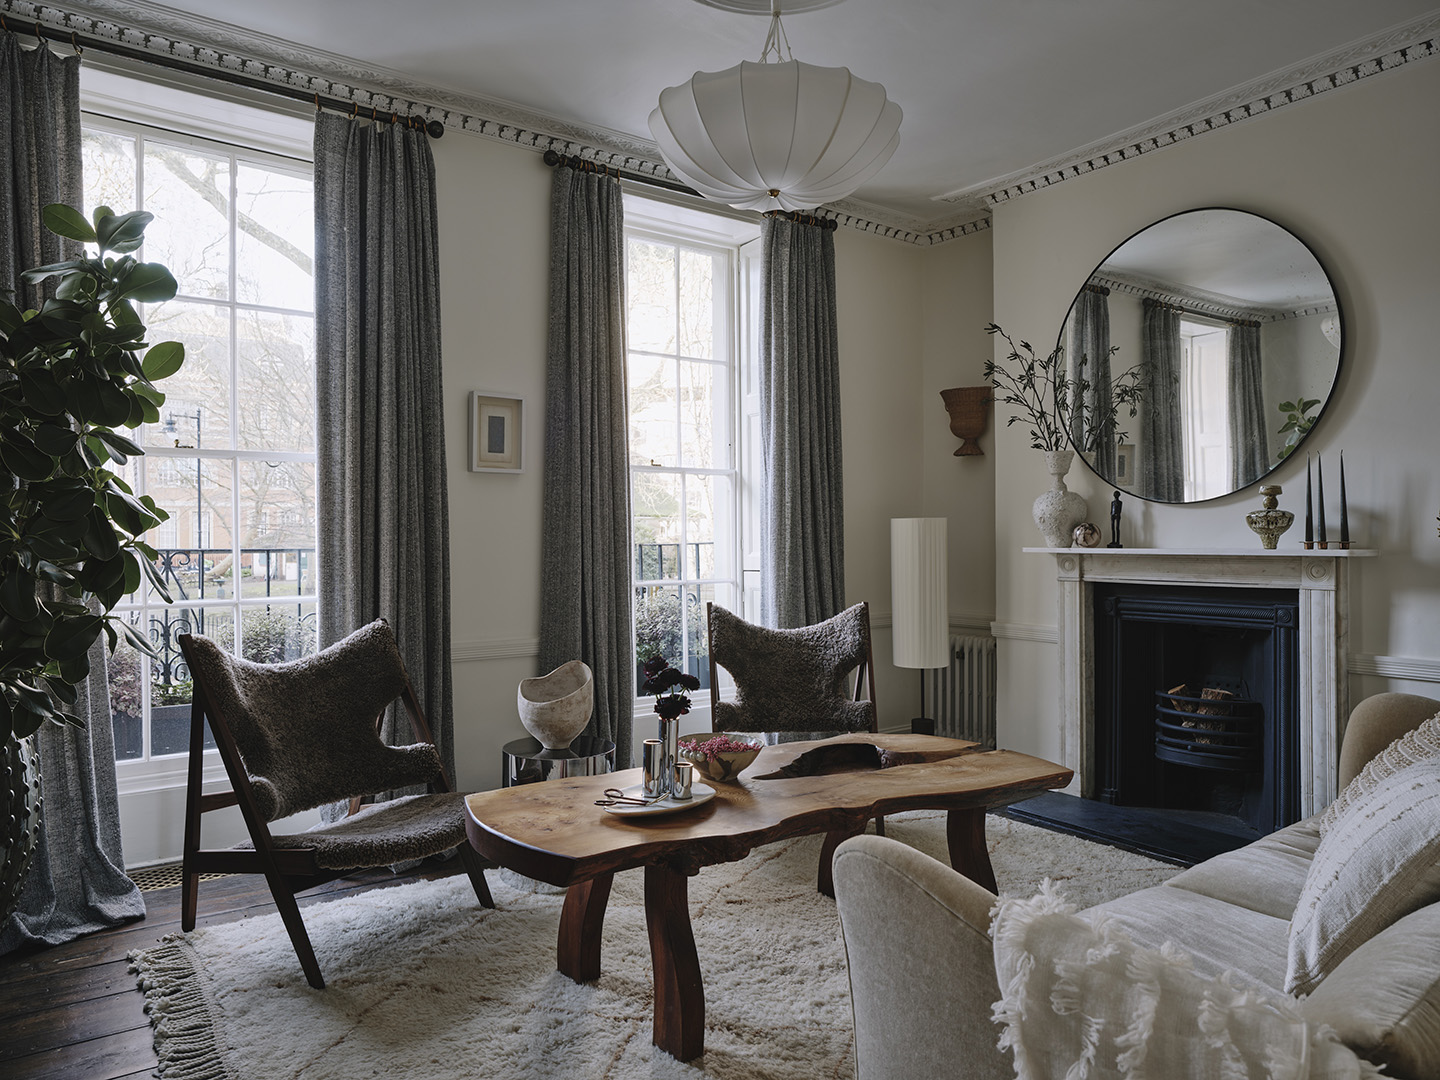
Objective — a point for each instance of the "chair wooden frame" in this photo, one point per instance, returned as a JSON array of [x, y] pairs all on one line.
[[287, 871]]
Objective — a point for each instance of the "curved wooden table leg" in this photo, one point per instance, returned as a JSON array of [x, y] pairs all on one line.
[[965, 836], [825, 876], [679, 991], [577, 954]]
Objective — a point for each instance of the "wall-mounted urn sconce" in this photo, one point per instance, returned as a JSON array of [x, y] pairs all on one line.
[[969, 408]]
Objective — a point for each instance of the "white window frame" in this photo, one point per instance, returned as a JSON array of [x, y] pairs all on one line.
[[246, 128], [654, 217]]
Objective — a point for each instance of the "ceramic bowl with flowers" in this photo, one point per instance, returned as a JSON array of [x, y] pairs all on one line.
[[718, 755]]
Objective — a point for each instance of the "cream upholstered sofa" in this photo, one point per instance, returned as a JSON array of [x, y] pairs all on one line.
[[923, 965]]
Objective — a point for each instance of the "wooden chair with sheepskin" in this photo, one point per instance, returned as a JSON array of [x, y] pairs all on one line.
[[796, 684], [295, 736]]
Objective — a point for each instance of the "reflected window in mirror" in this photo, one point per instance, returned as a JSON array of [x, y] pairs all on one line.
[[1224, 315]]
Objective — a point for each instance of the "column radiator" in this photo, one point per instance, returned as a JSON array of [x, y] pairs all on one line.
[[961, 697]]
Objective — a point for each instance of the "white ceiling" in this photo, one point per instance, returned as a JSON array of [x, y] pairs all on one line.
[[989, 88]]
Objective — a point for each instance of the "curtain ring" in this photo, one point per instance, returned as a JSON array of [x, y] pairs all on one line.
[[38, 34], [75, 44], [373, 117], [354, 108], [317, 102], [394, 117]]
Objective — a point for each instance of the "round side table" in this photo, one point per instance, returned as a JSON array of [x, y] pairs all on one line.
[[525, 761]]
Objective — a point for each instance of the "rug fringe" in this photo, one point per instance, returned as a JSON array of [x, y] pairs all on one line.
[[179, 1011]]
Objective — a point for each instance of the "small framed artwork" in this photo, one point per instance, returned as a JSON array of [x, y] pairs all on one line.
[[1125, 464], [496, 432]]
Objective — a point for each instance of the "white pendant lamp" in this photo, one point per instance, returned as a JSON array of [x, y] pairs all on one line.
[[776, 135]]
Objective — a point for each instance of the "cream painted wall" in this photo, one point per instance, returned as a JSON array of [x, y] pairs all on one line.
[[1351, 172], [957, 298]]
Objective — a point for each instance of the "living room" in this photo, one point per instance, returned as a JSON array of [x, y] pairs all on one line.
[[1348, 167]]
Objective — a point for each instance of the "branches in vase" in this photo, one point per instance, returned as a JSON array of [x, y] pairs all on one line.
[[1053, 404]]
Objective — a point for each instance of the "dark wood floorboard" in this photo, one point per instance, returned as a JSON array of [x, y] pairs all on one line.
[[75, 1010]]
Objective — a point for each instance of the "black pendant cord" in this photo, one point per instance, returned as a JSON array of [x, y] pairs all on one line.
[[81, 42]]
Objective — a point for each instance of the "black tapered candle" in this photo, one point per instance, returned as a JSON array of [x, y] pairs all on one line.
[[1320, 496], [1309, 511], [1344, 510]]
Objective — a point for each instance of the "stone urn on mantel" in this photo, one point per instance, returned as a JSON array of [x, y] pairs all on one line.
[[1059, 510]]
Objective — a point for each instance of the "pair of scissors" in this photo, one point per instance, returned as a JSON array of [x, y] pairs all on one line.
[[616, 797]]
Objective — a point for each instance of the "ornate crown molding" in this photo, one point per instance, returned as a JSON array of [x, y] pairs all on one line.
[[1390, 49], [204, 42], [1206, 303]]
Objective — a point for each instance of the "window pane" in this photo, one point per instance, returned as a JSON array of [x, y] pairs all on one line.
[[652, 411], [275, 241], [697, 303], [658, 627], [171, 689], [202, 386], [189, 194], [196, 492], [704, 412], [108, 166], [276, 374], [277, 528], [655, 499], [276, 633], [125, 671], [651, 296], [707, 526]]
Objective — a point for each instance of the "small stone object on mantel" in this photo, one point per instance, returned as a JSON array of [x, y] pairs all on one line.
[[1270, 523], [1087, 535], [1115, 509]]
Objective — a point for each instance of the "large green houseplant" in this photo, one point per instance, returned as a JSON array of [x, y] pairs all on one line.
[[71, 372]]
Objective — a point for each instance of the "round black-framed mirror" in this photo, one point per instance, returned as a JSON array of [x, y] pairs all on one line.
[[1221, 331]]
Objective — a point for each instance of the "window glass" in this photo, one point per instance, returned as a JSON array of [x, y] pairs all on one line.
[[232, 456]]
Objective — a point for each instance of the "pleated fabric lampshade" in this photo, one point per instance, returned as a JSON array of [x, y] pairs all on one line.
[[919, 592]]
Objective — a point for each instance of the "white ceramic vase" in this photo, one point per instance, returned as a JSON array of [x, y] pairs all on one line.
[[556, 707], [1059, 510]]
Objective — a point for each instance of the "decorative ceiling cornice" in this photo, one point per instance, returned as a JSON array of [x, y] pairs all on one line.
[[1390, 49], [205, 42], [1206, 303]]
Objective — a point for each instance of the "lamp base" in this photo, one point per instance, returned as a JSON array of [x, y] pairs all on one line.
[[922, 725]]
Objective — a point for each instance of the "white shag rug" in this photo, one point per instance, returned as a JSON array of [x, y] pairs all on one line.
[[423, 984]]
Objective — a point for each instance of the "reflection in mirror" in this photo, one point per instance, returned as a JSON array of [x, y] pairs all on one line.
[[1234, 327]]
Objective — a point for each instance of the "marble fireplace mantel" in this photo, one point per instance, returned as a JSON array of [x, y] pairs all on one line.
[[1322, 579]]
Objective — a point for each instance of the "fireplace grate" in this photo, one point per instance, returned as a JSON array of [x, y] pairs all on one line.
[[1213, 731]]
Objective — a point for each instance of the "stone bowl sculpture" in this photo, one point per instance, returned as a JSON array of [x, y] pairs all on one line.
[[556, 707]]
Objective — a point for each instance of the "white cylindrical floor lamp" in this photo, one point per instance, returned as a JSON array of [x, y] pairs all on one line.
[[919, 598]]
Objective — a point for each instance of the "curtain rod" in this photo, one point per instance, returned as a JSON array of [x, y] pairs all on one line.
[[81, 42], [558, 160]]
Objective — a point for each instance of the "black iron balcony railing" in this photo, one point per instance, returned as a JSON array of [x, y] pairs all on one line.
[[658, 562]]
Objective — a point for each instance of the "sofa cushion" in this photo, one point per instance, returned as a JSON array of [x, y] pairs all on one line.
[[1378, 862], [1080, 999], [1420, 744], [1266, 876], [1383, 1000], [1219, 937]]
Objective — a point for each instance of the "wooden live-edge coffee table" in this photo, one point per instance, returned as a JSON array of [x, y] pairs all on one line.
[[555, 833]]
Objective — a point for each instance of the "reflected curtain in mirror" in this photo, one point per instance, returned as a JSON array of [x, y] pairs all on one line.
[[1162, 468], [1249, 449], [1089, 373]]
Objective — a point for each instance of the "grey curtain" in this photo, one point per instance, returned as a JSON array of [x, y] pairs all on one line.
[[1162, 454], [1090, 343], [1249, 449], [802, 522], [77, 881], [384, 528], [585, 584]]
